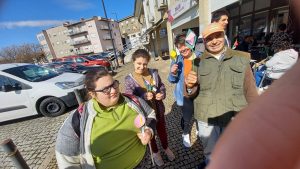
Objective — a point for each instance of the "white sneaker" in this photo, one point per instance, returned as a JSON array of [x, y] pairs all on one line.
[[186, 140], [157, 159]]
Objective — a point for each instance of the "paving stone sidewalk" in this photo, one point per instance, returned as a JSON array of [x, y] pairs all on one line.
[[35, 138]]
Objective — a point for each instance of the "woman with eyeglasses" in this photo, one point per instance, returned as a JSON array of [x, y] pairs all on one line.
[[179, 70], [146, 83], [102, 133]]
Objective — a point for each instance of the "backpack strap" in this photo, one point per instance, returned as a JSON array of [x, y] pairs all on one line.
[[76, 119], [133, 98]]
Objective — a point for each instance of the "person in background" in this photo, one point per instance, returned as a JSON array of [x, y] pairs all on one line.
[[221, 84], [178, 72], [246, 44], [146, 83], [101, 133], [280, 35], [221, 17], [122, 56], [283, 60]]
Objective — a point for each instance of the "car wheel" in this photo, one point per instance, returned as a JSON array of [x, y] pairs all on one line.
[[52, 107]]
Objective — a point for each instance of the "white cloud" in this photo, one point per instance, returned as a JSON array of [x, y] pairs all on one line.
[[76, 4], [40, 23]]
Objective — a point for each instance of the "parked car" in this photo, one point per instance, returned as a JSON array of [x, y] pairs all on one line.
[[110, 56], [71, 67], [83, 61], [27, 89]]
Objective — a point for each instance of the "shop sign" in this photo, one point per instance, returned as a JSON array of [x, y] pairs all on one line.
[[179, 8]]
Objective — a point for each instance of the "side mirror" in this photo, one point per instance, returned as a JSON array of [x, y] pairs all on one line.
[[17, 86], [7, 88]]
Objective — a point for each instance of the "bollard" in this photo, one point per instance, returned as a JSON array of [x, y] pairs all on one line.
[[78, 96], [13, 153]]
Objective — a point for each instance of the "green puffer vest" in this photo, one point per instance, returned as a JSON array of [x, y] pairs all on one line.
[[221, 93]]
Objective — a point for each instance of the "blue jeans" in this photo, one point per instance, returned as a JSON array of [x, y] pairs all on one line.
[[259, 75]]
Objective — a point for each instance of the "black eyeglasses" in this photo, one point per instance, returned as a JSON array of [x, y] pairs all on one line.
[[106, 90]]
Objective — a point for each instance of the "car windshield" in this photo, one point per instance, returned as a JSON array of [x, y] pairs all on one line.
[[32, 73], [105, 54]]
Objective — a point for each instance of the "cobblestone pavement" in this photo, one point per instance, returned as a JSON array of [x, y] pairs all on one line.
[[35, 138]]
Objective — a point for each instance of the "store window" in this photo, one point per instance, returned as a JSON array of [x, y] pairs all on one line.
[[260, 26], [259, 4], [233, 29], [245, 26], [234, 12], [247, 7]]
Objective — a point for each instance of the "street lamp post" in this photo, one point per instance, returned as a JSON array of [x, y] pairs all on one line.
[[112, 39]]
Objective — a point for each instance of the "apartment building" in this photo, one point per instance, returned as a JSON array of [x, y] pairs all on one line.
[[131, 30], [88, 36]]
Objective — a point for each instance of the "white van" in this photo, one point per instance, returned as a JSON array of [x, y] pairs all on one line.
[[27, 89]]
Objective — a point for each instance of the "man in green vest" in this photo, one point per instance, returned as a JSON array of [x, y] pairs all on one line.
[[222, 84]]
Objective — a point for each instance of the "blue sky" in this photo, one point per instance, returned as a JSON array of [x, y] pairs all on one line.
[[21, 20]]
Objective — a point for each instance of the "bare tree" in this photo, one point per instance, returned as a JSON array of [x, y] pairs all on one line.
[[26, 53]]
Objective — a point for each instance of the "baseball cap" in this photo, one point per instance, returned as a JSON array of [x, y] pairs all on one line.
[[212, 28]]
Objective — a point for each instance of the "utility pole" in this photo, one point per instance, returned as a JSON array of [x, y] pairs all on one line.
[[112, 39]]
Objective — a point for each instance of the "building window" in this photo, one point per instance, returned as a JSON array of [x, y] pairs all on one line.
[[247, 7], [260, 25], [259, 4], [90, 26], [54, 35], [245, 26], [112, 25], [115, 34], [234, 12]]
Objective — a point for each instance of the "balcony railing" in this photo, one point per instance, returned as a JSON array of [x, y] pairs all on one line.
[[80, 42], [76, 32], [104, 27]]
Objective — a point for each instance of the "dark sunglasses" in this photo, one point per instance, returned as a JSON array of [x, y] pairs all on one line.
[[106, 90]]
